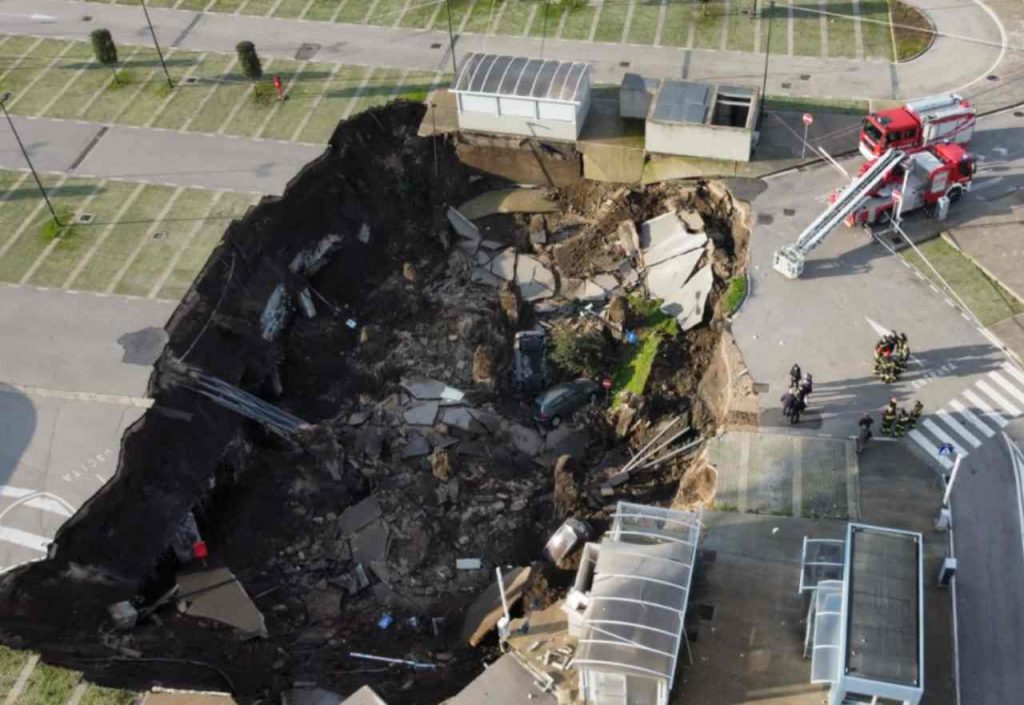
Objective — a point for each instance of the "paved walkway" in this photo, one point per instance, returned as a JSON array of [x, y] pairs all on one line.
[[155, 156], [975, 42]]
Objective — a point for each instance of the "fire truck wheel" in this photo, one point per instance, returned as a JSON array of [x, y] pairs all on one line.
[[954, 194]]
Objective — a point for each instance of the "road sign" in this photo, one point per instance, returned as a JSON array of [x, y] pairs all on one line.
[[946, 449], [808, 119]]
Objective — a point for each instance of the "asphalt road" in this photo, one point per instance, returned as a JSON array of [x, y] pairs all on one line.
[[157, 156], [975, 40], [73, 374], [828, 322]]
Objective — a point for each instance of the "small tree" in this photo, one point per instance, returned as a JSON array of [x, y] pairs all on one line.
[[578, 352], [105, 50], [250, 62]]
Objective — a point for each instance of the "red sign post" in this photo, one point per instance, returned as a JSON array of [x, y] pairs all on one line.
[[808, 120], [279, 87]]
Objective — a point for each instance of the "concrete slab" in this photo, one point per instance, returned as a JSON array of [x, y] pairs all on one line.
[[479, 275], [535, 281], [364, 696], [421, 414], [688, 306], [371, 542], [583, 290], [416, 446], [504, 682], [424, 389], [359, 515], [525, 440], [670, 248], [667, 279], [504, 264], [484, 612], [509, 200], [608, 282], [216, 594], [462, 418]]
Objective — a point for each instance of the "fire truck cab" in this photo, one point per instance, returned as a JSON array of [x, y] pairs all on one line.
[[919, 123], [934, 177]]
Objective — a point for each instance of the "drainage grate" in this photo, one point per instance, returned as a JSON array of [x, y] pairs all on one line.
[[190, 80], [787, 85], [306, 52], [435, 45], [159, 236], [706, 612], [789, 211], [805, 77], [765, 219], [992, 77], [87, 18], [761, 387], [623, 64], [84, 218]]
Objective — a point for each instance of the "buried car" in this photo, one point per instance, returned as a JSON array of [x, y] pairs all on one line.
[[558, 403]]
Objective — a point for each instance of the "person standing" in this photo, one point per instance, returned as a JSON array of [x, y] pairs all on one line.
[[902, 423], [794, 376], [889, 418], [915, 413]]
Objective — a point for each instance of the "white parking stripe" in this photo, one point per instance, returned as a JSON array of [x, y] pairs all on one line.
[[24, 538], [948, 419], [930, 449], [1005, 403], [1008, 386], [969, 415], [940, 434], [43, 504], [986, 408], [1012, 370]]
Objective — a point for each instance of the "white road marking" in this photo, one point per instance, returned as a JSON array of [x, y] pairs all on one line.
[[948, 419], [162, 279], [940, 434], [43, 503], [316, 103], [969, 415], [1014, 371], [82, 263], [147, 237], [31, 219], [986, 408], [24, 538], [1005, 403], [929, 448], [1009, 387]]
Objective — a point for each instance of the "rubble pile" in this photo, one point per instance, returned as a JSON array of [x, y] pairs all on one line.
[[380, 319]]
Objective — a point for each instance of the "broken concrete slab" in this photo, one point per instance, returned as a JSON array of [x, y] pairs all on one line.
[[488, 419], [526, 440], [371, 542], [692, 220], [567, 441], [364, 696], [583, 290], [424, 389], [416, 446], [485, 611], [504, 264], [504, 682], [510, 200], [463, 226], [629, 238], [480, 275], [421, 414], [359, 515], [692, 299], [665, 237], [535, 280], [668, 278], [462, 418], [310, 696], [608, 282], [215, 594]]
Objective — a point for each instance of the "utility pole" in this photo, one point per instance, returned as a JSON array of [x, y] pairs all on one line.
[[451, 39], [3, 104], [952, 479], [156, 44], [767, 51]]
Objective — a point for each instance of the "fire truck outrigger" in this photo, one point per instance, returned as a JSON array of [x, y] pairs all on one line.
[[893, 184], [919, 123]]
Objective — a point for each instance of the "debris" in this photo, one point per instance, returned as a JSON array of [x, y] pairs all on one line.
[[400, 661], [363, 696], [421, 415], [371, 543], [310, 696], [468, 564], [508, 298], [629, 238], [359, 515], [689, 307], [385, 620], [526, 440], [504, 264], [441, 464], [409, 272], [123, 615], [216, 594], [416, 446], [483, 366], [567, 494], [565, 539], [535, 281], [538, 230], [511, 200], [483, 614]]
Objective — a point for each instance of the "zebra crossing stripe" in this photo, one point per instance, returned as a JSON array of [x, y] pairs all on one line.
[[939, 433], [1008, 386], [998, 398], [948, 419], [974, 420], [1014, 372], [997, 418], [930, 449], [24, 538]]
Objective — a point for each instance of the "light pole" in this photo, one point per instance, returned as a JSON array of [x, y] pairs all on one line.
[[451, 39], [952, 479], [159, 53], [3, 105], [767, 51]]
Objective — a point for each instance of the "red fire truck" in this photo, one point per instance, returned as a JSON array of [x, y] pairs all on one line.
[[919, 123], [936, 176]]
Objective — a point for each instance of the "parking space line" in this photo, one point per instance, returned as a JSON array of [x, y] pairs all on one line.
[[277, 105], [248, 95], [26, 671], [369, 12], [31, 84], [146, 237], [6, 195], [401, 14], [858, 32], [30, 219], [593, 22], [725, 26], [56, 240], [316, 103], [206, 98], [142, 85], [57, 95], [529, 19], [357, 95], [170, 96], [630, 9], [102, 90], [83, 263], [306, 9], [341, 6], [27, 54], [176, 257], [662, 15]]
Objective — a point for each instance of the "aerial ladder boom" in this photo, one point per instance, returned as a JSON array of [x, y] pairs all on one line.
[[789, 260]]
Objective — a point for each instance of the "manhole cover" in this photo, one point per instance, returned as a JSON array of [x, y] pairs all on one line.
[[788, 211], [761, 387], [706, 612], [159, 236], [805, 77], [992, 77], [84, 218], [787, 85], [306, 52], [765, 218], [190, 80], [435, 45], [624, 64], [87, 18]]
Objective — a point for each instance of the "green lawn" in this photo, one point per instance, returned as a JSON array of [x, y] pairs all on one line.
[[989, 301], [11, 663], [48, 685], [632, 373]]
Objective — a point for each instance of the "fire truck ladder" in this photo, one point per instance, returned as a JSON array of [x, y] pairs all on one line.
[[789, 260]]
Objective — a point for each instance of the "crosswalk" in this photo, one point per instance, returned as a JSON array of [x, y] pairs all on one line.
[[974, 416]]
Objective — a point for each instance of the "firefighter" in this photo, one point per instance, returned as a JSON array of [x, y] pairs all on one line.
[[789, 403], [794, 375], [915, 413], [902, 424], [805, 387], [888, 419], [888, 373]]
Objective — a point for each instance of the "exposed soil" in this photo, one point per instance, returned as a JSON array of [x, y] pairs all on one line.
[[395, 303], [912, 31]]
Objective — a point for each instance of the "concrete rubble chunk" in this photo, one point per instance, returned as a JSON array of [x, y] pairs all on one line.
[[359, 515], [504, 264], [510, 200], [416, 446], [608, 282], [692, 299], [583, 290], [490, 421], [421, 414], [364, 696], [535, 281], [481, 275], [567, 441], [665, 237], [667, 279], [370, 544], [463, 226], [692, 220], [485, 611], [462, 418], [215, 594], [629, 238], [483, 258], [424, 389], [526, 440]]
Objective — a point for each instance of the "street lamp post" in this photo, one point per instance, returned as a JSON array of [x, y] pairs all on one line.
[[451, 38], [3, 105], [767, 51], [159, 53]]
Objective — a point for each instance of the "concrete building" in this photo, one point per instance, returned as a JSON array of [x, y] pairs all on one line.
[[628, 605], [702, 120], [515, 95], [865, 628]]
